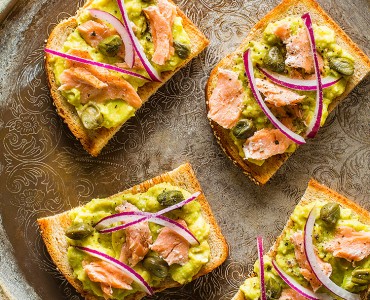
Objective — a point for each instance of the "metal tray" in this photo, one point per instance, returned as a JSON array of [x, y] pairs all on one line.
[[44, 170]]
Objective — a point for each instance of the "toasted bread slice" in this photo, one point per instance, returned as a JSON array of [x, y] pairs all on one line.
[[94, 140], [261, 174], [53, 229], [316, 192]]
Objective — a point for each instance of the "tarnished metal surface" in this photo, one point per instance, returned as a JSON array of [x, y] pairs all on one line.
[[44, 170], [5, 7]]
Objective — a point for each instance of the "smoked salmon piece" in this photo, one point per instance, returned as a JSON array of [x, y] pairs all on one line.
[[93, 32], [304, 267], [89, 89], [138, 239], [225, 103], [266, 143], [283, 31], [161, 18], [95, 83], [350, 244], [299, 54], [290, 294], [82, 76], [172, 247], [108, 275], [277, 95]]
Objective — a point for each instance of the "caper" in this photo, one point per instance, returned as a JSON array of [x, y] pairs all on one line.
[[330, 213], [168, 198], [274, 60], [91, 116], [79, 231], [110, 45], [243, 129], [342, 65], [273, 289], [182, 51], [361, 276], [156, 265]]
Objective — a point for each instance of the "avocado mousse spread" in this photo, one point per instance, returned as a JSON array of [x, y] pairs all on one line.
[[342, 245], [284, 52], [158, 254], [106, 98]]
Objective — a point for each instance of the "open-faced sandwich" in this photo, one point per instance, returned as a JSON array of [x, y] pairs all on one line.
[[103, 63], [277, 88], [323, 252], [156, 235]]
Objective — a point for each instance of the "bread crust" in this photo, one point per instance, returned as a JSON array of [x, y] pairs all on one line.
[[315, 192], [261, 174], [53, 229], [94, 140]]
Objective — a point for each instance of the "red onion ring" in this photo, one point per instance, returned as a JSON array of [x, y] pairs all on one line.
[[252, 82], [117, 217], [298, 84], [94, 63], [312, 260], [292, 283], [152, 72], [122, 31], [136, 277], [262, 268], [137, 216], [314, 125], [178, 205], [176, 227]]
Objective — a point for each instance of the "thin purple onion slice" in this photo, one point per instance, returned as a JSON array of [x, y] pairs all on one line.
[[252, 82], [131, 218], [292, 283], [94, 63], [152, 72], [118, 217], [315, 266], [262, 267], [138, 216], [298, 84], [176, 227], [135, 217], [314, 125], [136, 277], [178, 205], [122, 31]]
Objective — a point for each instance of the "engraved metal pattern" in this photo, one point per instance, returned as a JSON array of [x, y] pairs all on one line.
[[45, 171]]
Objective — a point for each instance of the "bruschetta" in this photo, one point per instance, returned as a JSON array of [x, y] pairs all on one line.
[[277, 89], [103, 63], [322, 253], [153, 236]]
